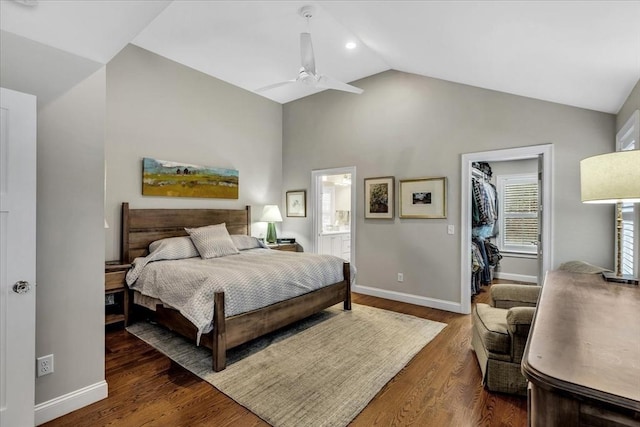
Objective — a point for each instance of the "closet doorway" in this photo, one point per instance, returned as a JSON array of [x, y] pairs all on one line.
[[540, 159], [333, 209]]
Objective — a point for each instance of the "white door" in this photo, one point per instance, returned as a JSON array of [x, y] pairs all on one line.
[[17, 257]]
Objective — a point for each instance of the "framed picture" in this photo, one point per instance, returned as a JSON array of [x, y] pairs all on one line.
[[423, 198], [379, 197], [177, 179], [297, 203]]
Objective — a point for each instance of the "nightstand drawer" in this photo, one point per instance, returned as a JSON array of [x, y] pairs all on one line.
[[114, 280], [290, 247]]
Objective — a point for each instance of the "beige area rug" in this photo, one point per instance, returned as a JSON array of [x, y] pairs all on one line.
[[320, 372]]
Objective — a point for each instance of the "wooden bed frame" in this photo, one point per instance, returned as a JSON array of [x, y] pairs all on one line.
[[142, 226]]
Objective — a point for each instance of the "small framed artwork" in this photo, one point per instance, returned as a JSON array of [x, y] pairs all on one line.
[[297, 203], [379, 197], [423, 198]]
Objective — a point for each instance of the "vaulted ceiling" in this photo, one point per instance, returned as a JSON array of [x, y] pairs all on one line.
[[579, 53]]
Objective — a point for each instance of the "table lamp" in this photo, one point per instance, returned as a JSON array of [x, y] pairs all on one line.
[[612, 178], [271, 215]]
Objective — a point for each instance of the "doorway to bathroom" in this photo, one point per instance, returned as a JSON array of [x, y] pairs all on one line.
[[333, 208]]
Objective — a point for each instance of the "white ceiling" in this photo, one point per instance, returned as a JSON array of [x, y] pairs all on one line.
[[580, 53]]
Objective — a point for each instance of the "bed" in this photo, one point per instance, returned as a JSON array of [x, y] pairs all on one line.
[[140, 227]]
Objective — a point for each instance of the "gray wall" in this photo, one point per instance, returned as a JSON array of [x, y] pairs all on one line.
[[158, 108], [411, 126], [510, 263], [70, 231], [70, 272]]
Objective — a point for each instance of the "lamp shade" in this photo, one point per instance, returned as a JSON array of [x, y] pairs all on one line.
[[611, 178], [271, 213]]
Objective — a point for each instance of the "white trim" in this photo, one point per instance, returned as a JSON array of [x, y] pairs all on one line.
[[465, 208], [62, 405], [516, 277], [409, 298], [509, 254], [629, 131]]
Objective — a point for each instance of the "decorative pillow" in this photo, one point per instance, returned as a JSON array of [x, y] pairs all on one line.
[[244, 242], [175, 247], [212, 241], [172, 248], [581, 267]]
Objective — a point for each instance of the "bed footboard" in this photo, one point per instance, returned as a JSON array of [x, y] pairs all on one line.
[[235, 330]]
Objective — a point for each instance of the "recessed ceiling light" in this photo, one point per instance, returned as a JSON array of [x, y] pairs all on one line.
[[350, 45]]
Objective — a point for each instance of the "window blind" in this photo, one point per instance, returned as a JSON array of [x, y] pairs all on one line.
[[519, 202], [627, 238]]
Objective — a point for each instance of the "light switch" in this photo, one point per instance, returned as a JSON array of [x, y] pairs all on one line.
[[451, 229]]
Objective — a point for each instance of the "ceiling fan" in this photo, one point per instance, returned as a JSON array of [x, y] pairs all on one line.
[[308, 74]]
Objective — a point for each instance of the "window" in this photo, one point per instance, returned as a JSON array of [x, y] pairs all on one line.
[[627, 139], [627, 242], [518, 213]]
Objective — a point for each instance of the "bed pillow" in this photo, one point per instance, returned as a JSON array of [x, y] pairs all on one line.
[[175, 247], [172, 248], [212, 241], [244, 242]]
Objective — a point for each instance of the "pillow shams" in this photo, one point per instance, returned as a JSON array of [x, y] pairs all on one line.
[[172, 248], [244, 242], [175, 247], [212, 241]]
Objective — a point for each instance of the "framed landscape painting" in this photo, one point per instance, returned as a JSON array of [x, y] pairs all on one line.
[[423, 198], [174, 179], [297, 203], [379, 197]]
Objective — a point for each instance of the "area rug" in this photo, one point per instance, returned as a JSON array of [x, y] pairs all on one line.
[[320, 372]]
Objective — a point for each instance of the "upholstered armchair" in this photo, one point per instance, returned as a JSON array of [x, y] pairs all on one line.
[[500, 331]]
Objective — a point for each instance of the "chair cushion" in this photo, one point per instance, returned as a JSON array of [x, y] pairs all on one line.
[[491, 326], [510, 295]]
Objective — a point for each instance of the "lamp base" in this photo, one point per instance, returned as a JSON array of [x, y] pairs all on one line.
[[271, 233], [611, 276]]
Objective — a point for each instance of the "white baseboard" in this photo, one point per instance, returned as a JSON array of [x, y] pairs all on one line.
[[62, 405], [439, 304], [516, 277]]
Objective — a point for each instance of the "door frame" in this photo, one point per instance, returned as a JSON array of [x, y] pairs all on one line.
[[520, 153], [316, 191]]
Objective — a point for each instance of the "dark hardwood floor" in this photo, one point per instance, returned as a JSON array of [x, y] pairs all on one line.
[[439, 387]]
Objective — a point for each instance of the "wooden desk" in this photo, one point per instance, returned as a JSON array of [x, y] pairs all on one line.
[[582, 358]]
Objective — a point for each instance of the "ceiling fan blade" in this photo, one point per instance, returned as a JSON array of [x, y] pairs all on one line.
[[275, 85], [307, 58], [331, 83]]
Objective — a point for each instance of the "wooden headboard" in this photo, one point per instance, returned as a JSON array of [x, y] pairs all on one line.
[[142, 226]]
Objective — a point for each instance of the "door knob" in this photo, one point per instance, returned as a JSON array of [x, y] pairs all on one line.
[[21, 287]]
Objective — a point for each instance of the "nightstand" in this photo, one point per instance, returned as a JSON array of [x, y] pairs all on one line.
[[291, 247], [117, 306]]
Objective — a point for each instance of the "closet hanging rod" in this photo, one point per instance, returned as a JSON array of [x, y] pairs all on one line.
[[479, 173]]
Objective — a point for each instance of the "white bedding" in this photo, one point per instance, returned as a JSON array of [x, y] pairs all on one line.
[[252, 279]]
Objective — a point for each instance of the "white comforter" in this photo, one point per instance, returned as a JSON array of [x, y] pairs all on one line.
[[252, 279]]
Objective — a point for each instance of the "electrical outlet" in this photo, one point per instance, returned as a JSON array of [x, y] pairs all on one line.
[[400, 277], [44, 365]]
